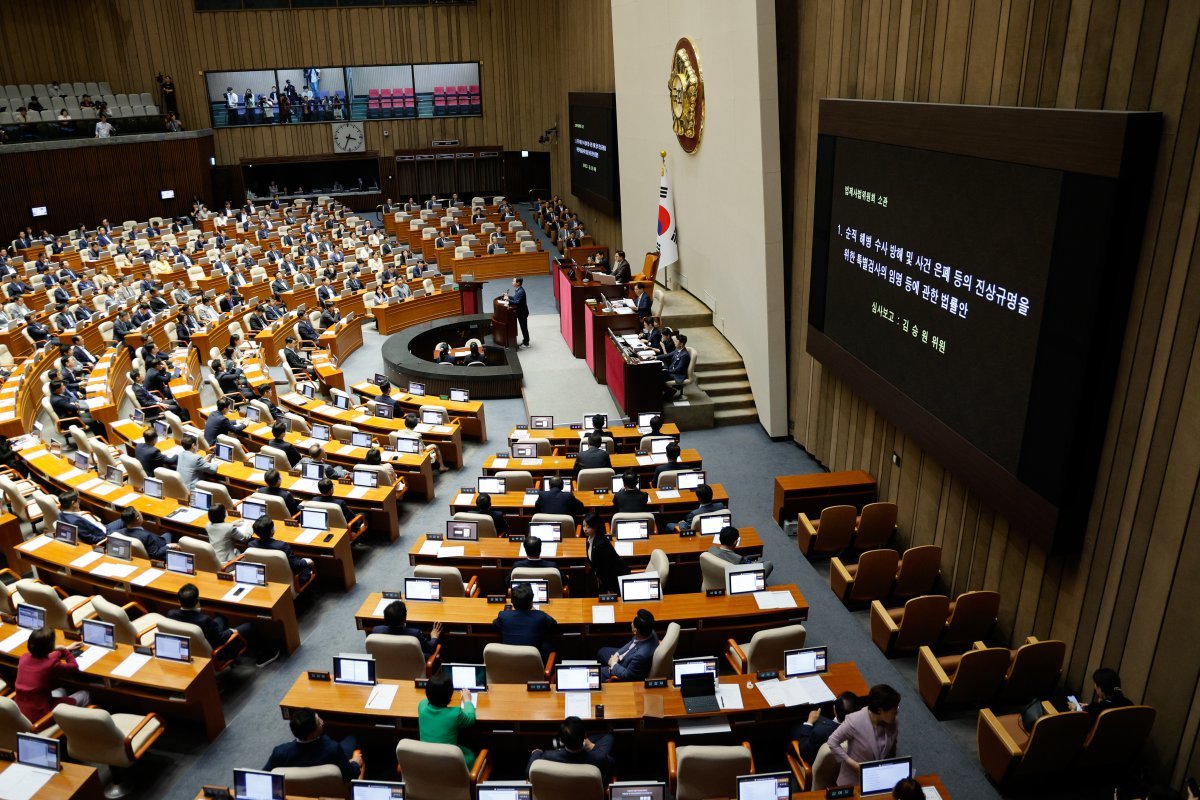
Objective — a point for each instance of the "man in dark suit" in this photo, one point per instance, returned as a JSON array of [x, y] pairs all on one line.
[[395, 623], [156, 545], [278, 432], [525, 625], [675, 367], [726, 550], [325, 495], [602, 558], [90, 530], [533, 556], [821, 723], [215, 629], [256, 320], [313, 748], [595, 456], [158, 382], [642, 300], [630, 499], [631, 661], [273, 489], [576, 748], [672, 465], [64, 407], [555, 501], [149, 456], [704, 494], [295, 361], [264, 537], [518, 300], [218, 423], [483, 505]]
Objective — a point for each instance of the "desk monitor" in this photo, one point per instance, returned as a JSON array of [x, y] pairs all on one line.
[[645, 417], [321, 432], [264, 461], [467, 676], [182, 562], [253, 509], [139, 416], [249, 574], [252, 414], [491, 485], [152, 487], [308, 390], [602, 446], [618, 483], [577, 678], [689, 480], [162, 429], [354, 668], [223, 452], [695, 666], [589, 421], [460, 396], [406, 445], [376, 790], [415, 387], [313, 472], [365, 478], [765, 786], [201, 500], [458, 530], [712, 524], [636, 790], [628, 530], [540, 587], [659, 447], [38, 751], [746, 579], [541, 423], [39, 211], [422, 589], [114, 475], [546, 531], [252, 784], [360, 439], [314, 519], [31, 617], [98, 633], [341, 401], [170, 647], [431, 417], [66, 533], [80, 461], [383, 411], [524, 450], [380, 379], [568, 484], [637, 587], [504, 791], [118, 547], [880, 777], [806, 661]]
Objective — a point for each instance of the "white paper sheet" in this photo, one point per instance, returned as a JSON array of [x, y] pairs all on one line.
[[381, 606], [23, 782], [772, 692], [35, 543], [86, 558], [519, 434], [109, 570], [90, 484], [578, 704], [531, 462], [126, 500], [931, 793], [187, 514], [666, 494], [90, 656], [529, 500], [813, 689], [105, 489], [307, 536], [129, 667], [381, 697], [305, 486], [358, 492], [451, 552], [148, 577], [14, 639], [499, 463], [777, 599], [645, 461], [69, 474], [623, 548], [603, 614], [729, 696], [237, 593], [659, 458], [430, 548], [463, 499]]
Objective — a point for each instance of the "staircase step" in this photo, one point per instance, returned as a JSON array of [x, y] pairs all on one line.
[[718, 389], [722, 416], [734, 401], [708, 365], [728, 374]]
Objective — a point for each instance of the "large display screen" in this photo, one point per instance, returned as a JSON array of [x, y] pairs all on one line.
[[976, 292], [592, 137]]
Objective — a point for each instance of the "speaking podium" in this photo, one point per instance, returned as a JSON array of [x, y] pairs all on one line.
[[504, 323]]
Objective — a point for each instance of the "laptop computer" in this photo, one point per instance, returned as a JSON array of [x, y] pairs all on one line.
[[504, 791], [38, 751], [541, 423], [253, 784], [577, 678], [462, 531], [699, 691], [422, 589], [880, 777], [376, 790], [637, 790], [354, 668], [805, 661], [765, 786], [98, 633]]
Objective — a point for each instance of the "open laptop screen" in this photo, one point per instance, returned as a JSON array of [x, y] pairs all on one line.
[[880, 777], [633, 790], [746, 580], [577, 678], [766, 786], [806, 661], [376, 790], [38, 751], [251, 784]]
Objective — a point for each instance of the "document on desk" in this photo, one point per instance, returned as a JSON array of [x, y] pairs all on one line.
[[148, 577], [529, 500], [23, 782], [105, 489], [35, 543], [90, 656], [11, 641], [463, 499], [603, 614], [659, 458], [531, 462], [729, 696], [187, 514], [520, 433], [89, 484], [645, 461], [499, 463], [305, 486], [772, 692], [326, 409], [126, 499], [696, 726], [777, 599], [304, 444], [814, 688], [308, 536], [69, 474], [666, 494], [442, 430], [358, 492], [931, 793], [578, 704], [381, 696], [238, 593], [86, 559], [451, 552], [429, 548], [129, 667], [110, 570], [623, 548], [423, 427], [41, 451]]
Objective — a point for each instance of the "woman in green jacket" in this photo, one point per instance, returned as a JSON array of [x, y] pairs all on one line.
[[439, 723]]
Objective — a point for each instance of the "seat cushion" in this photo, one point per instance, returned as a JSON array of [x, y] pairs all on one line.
[[949, 664], [1011, 723], [897, 614], [851, 569], [127, 722]]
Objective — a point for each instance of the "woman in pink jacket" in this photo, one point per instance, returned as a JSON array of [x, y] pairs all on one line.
[[867, 735]]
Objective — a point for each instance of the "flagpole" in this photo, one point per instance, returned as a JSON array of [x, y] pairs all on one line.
[[663, 170]]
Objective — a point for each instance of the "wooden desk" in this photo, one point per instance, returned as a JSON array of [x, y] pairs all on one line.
[[597, 322], [269, 605], [489, 268], [626, 439], [469, 414], [636, 386], [572, 296], [562, 465], [808, 494], [707, 622], [924, 780], [168, 688], [73, 782], [491, 560], [343, 338], [414, 310]]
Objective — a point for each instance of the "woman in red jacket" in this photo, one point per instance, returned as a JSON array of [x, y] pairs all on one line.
[[38, 673]]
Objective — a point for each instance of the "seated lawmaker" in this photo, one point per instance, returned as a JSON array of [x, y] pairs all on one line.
[[556, 501], [631, 661], [630, 499], [594, 456], [90, 529], [149, 456], [218, 423], [395, 623], [525, 625], [725, 549], [704, 494], [606, 565], [274, 489], [437, 722], [264, 538], [312, 747], [672, 465], [216, 631], [675, 368], [483, 505], [574, 747], [533, 556]]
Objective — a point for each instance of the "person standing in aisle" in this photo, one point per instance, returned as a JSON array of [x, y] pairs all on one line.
[[517, 299]]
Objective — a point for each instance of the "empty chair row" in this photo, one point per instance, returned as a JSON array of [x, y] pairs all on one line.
[[78, 88], [987, 676], [884, 574], [841, 528], [934, 620]]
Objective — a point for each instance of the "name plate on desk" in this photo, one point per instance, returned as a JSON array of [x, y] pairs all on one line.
[[521, 427], [576, 426], [715, 593], [608, 598], [224, 576], [217, 793], [391, 596], [839, 792], [656, 683], [433, 537], [494, 599], [314, 675], [686, 534], [768, 674], [518, 538], [466, 489], [421, 683], [599, 492], [538, 686]]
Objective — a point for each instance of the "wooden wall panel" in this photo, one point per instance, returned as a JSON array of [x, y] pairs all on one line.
[[1127, 599], [531, 54]]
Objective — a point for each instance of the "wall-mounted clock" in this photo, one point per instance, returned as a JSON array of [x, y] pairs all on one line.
[[348, 137], [686, 88]]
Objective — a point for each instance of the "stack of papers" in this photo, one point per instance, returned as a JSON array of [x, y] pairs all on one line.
[[776, 599], [35, 543], [578, 704], [807, 691], [430, 548], [729, 696], [667, 494], [187, 514], [381, 697], [305, 486], [603, 614], [499, 463], [463, 499], [23, 782]]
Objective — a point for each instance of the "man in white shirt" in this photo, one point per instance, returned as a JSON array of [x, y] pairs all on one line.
[[104, 129]]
